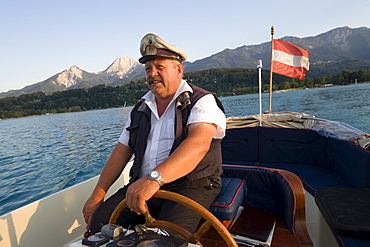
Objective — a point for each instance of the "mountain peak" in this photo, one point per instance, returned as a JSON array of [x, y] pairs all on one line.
[[120, 66], [74, 68], [69, 77]]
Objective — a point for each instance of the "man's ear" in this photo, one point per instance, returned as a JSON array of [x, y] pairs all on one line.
[[180, 69]]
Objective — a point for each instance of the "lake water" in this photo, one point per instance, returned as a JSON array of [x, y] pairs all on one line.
[[42, 155]]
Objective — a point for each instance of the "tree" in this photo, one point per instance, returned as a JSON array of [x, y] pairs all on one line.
[[222, 82]]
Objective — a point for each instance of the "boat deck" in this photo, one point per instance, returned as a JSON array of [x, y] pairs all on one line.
[[281, 238]]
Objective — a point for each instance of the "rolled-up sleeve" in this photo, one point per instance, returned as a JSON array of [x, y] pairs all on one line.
[[207, 111], [125, 135]]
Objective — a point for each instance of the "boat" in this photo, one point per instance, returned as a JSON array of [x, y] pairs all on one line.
[[57, 220], [278, 170]]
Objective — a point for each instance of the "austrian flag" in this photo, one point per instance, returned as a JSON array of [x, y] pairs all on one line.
[[289, 59]]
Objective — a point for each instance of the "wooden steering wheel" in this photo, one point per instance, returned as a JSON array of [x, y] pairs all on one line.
[[210, 219]]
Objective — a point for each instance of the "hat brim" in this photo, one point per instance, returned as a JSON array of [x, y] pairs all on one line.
[[144, 59]]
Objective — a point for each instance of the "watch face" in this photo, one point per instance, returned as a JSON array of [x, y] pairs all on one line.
[[154, 174]]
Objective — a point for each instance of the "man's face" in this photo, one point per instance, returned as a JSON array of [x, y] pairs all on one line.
[[163, 77]]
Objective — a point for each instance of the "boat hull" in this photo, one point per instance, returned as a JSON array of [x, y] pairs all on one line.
[[52, 221]]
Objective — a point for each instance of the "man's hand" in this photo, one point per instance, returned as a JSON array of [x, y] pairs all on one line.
[[140, 192], [111, 171], [89, 208]]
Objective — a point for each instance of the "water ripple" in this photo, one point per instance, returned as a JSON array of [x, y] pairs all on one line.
[[42, 155]]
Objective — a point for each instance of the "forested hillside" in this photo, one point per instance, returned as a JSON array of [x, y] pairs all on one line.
[[222, 82]]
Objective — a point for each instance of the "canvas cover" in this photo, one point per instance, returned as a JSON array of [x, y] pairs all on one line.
[[287, 119]]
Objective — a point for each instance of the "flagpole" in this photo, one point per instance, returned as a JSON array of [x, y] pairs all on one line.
[[259, 67], [270, 91]]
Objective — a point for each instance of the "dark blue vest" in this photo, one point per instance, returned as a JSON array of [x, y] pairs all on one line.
[[210, 167]]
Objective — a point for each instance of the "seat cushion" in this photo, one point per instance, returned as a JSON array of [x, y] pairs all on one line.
[[346, 210], [313, 177], [226, 204]]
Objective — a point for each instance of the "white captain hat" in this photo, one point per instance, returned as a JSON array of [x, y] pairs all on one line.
[[152, 46]]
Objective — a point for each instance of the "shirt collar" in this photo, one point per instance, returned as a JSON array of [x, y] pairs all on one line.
[[183, 87]]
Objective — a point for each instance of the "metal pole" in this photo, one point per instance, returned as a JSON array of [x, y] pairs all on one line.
[[259, 67], [270, 91]]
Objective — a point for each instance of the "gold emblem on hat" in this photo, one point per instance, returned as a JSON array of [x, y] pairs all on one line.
[[150, 50]]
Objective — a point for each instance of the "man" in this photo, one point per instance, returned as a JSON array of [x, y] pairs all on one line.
[[175, 133]]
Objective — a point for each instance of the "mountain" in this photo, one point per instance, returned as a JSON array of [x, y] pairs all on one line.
[[330, 48], [121, 71], [339, 49], [122, 67], [58, 82]]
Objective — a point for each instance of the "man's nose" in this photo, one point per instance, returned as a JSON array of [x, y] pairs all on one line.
[[152, 72]]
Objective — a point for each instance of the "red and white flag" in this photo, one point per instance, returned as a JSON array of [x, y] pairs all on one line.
[[289, 59]]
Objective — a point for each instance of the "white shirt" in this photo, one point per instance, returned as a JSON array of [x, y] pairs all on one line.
[[162, 133]]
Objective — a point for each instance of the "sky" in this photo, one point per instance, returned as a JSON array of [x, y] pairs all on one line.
[[40, 38]]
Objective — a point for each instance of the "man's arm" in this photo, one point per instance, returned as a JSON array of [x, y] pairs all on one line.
[[180, 163], [117, 161]]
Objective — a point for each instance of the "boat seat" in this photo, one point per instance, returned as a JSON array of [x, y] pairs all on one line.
[[347, 212], [226, 204]]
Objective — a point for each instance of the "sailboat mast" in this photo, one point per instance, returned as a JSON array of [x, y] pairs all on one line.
[[270, 91]]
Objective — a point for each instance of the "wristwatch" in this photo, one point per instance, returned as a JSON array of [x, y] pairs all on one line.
[[156, 175]]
